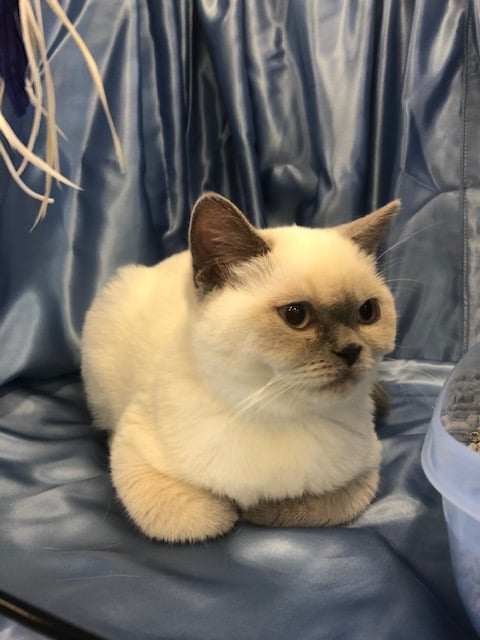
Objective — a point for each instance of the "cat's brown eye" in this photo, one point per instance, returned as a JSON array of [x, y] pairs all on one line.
[[369, 311], [296, 314]]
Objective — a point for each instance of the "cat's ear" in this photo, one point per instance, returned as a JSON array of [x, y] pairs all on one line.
[[220, 237], [368, 231]]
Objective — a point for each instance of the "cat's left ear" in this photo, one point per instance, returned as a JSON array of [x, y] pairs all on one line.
[[368, 231], [220, 237]]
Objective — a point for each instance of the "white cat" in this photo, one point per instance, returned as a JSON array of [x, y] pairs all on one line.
[[237, 377]]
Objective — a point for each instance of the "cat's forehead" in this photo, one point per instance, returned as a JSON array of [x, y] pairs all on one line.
[[320, 264]]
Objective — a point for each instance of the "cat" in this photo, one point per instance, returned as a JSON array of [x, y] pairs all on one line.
[[236, 378]]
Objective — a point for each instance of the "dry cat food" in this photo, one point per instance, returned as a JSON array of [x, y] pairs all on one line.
[[461, 410]]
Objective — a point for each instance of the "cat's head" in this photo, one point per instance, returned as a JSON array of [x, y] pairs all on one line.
[[301, 310]]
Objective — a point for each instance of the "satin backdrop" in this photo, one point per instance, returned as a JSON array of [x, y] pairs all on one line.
[[312, 112]]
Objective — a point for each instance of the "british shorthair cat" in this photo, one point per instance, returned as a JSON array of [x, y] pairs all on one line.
[[237, 378]]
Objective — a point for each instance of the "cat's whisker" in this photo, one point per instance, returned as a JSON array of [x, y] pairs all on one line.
[[391, 265], [401, 284], [389, 262], [279, 385], [398, 290], [266, 394], [406, 239], [254, 398], [414, 280], [308, 371]]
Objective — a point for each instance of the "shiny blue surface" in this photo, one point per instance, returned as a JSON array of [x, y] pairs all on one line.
[[309, 112]]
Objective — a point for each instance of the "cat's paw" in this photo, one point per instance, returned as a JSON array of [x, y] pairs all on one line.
[[179, 513], [166, 508], [329, 509]]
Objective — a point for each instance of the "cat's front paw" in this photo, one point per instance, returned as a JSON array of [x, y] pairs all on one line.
[[185, 515], [328, 509], [170, 510], [167, 508]]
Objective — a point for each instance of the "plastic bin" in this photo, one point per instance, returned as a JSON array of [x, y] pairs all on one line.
[[454, 470]]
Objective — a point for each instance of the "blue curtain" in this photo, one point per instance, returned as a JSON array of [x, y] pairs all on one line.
[[308, 112]]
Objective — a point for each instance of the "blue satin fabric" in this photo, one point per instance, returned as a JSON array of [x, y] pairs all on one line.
[[67, 546], [311, 112]]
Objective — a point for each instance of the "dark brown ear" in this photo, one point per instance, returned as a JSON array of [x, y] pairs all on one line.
[[368, 231], [220, 237]]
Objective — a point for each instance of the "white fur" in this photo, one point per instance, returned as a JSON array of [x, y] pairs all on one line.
[[173, 373]]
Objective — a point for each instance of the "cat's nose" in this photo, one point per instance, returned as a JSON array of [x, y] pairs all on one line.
[[349, 353]]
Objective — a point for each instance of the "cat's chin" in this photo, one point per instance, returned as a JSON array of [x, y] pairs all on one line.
[[343, 384]]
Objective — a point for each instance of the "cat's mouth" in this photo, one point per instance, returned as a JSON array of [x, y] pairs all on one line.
[[341, 383], [334, 381]]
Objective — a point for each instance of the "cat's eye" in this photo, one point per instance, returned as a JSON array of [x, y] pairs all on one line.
[[369, 311], [296, 314]]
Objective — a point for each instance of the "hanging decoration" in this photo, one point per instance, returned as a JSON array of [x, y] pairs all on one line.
[[26, 80]]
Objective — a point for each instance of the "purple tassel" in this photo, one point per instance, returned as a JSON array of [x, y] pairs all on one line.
[[13, 60]]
